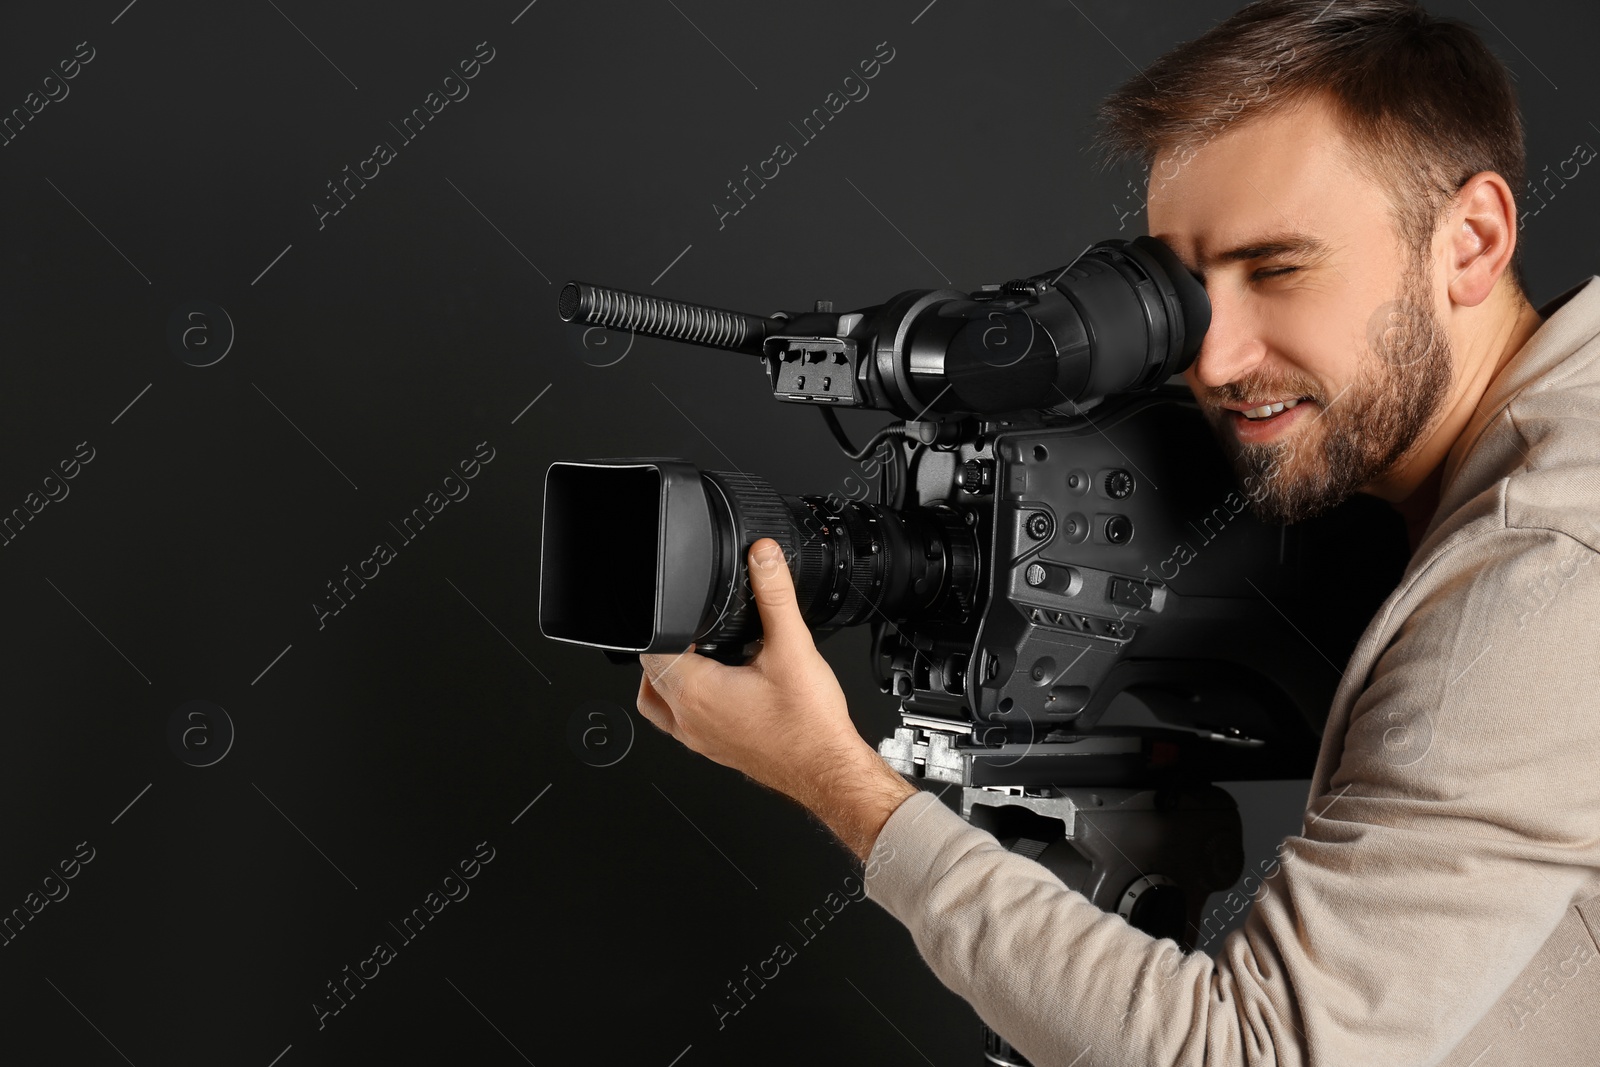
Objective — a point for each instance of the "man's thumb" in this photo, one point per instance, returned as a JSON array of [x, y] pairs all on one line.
[[781, 622]]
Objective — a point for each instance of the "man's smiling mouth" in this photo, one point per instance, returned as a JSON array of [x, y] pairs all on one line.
[[1266, 411], [1267, 422]]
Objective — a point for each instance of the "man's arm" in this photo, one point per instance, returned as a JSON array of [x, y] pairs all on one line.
[[856, 798], [781, 719], [1457, 827]]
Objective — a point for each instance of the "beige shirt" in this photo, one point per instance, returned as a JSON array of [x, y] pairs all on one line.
[[1441, 902]]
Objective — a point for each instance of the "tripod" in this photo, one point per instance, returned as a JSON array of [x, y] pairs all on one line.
[[1115, 816]]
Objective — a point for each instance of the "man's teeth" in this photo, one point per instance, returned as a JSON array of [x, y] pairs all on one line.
[[1269, 410]]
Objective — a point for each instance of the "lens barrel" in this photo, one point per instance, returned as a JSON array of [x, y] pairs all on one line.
[[653, 556]]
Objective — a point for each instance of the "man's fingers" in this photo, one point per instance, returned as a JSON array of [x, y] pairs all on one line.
[[657, 711], [669, 672], [781, 623]]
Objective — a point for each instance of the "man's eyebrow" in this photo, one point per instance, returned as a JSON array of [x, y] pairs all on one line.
[[1273, 244], [1277, 244]]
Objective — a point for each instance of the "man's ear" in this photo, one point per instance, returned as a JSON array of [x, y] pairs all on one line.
[[1480, 237]]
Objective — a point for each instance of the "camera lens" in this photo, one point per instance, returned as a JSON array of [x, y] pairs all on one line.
[[851, 562]]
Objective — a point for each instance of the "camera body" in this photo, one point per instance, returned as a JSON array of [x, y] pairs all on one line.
[[1063, 581], [1133, 618]]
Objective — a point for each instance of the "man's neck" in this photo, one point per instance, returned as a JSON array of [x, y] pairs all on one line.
[[1413, 486], [1418, 508]]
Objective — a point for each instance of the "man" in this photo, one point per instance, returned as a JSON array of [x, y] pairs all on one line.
[[1353, 221]]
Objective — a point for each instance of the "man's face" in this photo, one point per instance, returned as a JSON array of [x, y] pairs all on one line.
[[1316, 304]]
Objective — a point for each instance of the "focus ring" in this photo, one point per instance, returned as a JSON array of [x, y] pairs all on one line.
[[758, 512]]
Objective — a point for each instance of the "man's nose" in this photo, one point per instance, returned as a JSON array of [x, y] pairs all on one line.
[[1232, 347]]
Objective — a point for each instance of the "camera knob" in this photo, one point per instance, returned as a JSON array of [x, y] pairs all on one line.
[[976, 476]]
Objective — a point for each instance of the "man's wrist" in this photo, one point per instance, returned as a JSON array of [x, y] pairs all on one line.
[[855, 796]]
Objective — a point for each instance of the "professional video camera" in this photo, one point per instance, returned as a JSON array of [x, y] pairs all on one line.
[[1056, 531]]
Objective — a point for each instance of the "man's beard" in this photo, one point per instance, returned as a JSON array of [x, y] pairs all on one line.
[[1402, 381]]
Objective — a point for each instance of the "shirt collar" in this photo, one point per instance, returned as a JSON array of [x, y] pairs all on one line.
[[1570, 320]]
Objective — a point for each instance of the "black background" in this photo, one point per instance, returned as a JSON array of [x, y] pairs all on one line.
[[374, 353]]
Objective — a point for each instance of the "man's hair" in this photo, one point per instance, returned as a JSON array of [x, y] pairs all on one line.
[[1424, 104]]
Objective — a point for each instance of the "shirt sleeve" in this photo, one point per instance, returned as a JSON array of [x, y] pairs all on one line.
[[1460, 820]]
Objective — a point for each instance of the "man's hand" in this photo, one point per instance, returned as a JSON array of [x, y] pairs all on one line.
[[781, 718]]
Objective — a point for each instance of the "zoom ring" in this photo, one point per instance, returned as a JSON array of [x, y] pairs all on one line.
[[864, 581], [810, 568]]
